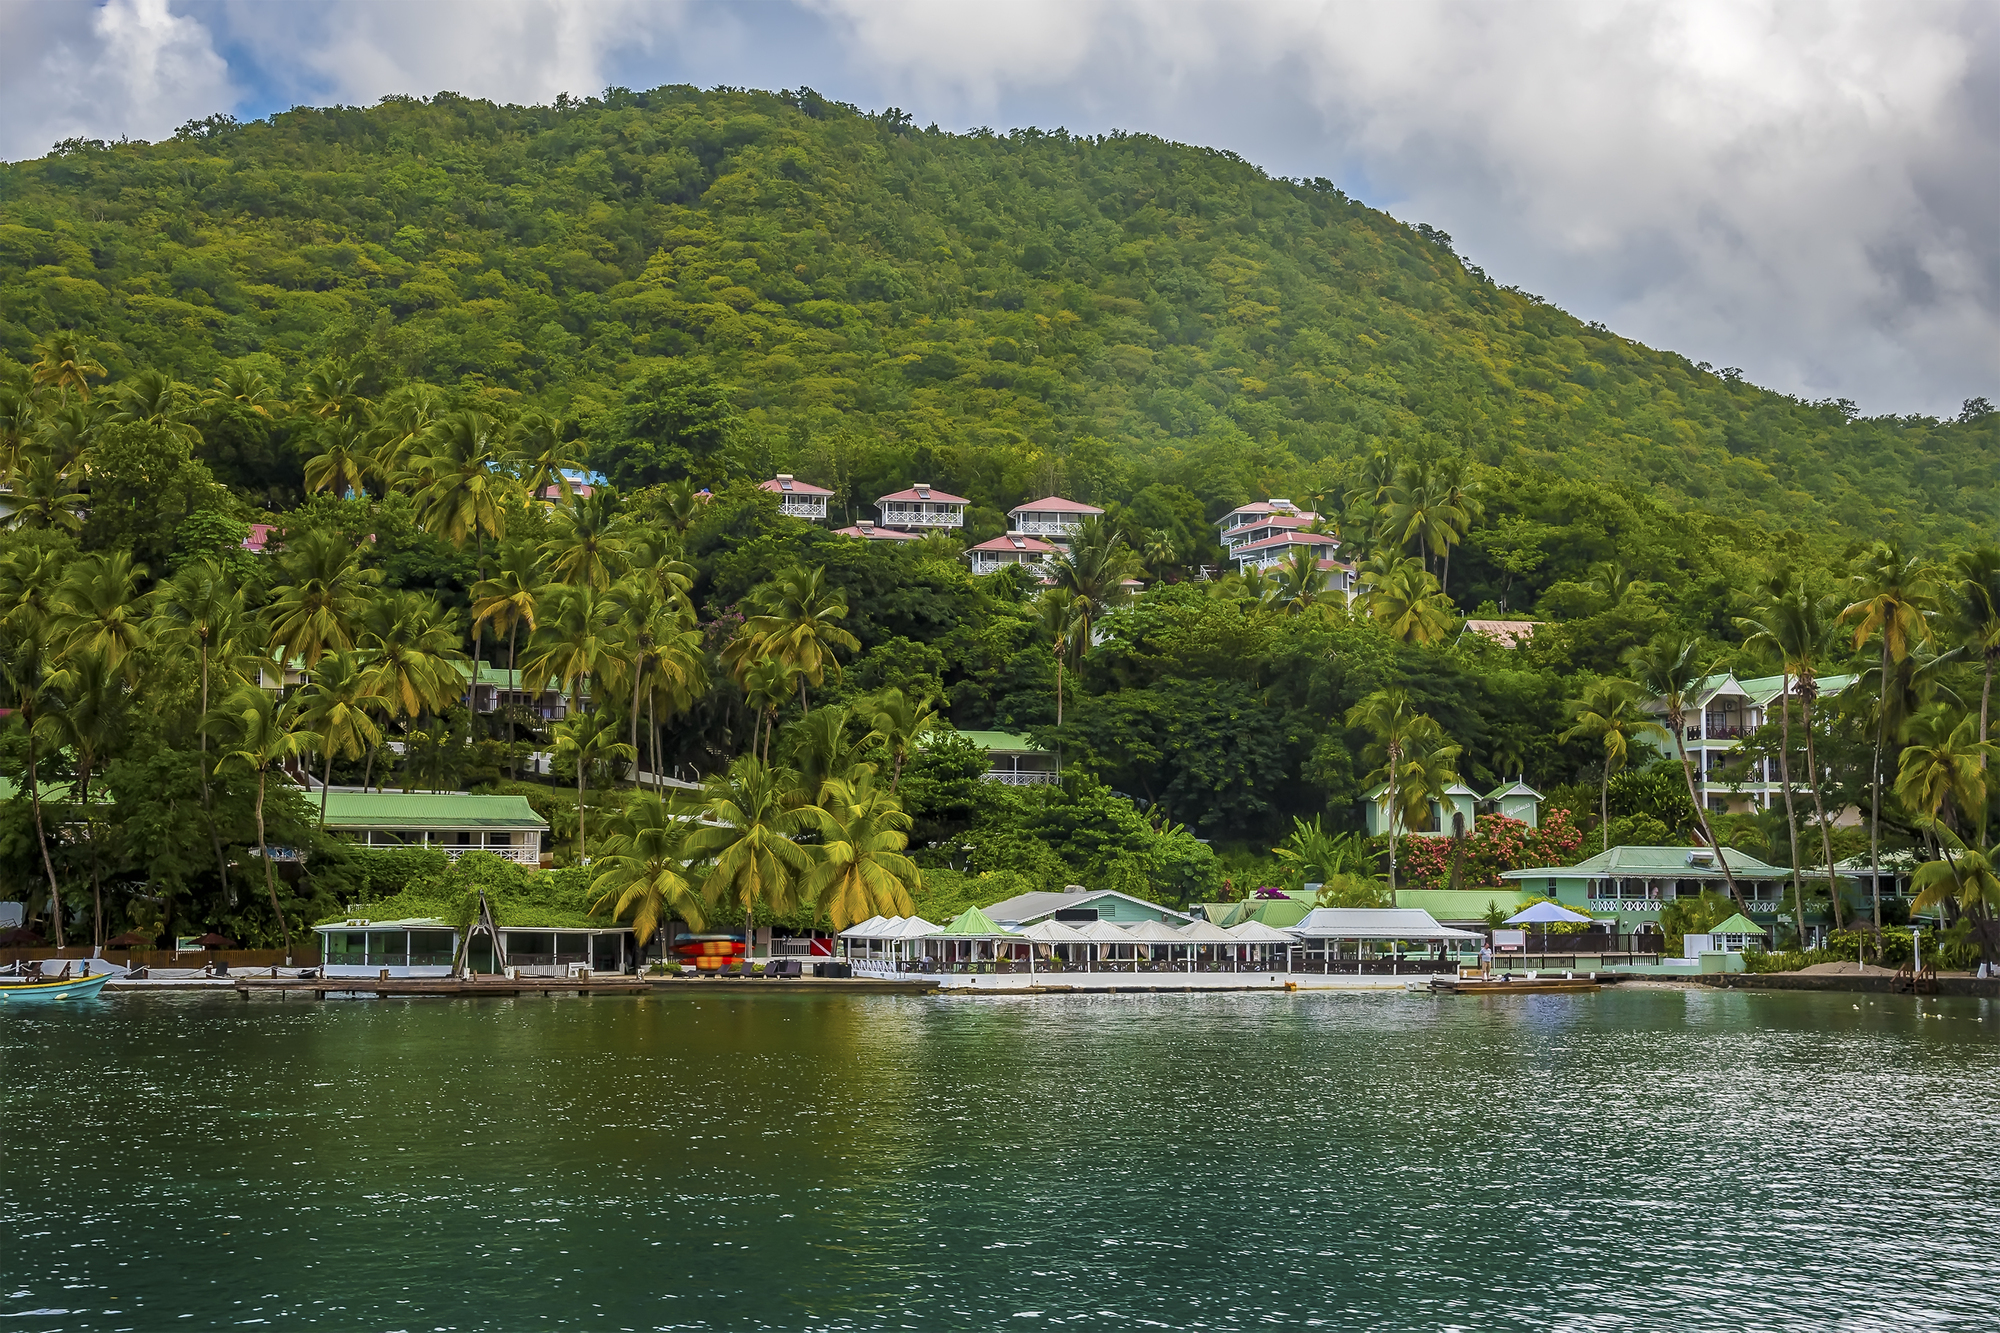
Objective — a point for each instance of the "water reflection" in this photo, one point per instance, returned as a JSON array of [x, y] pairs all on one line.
[[1652, 1158]]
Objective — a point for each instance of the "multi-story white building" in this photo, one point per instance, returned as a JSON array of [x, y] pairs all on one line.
[[1277, 550], [1016, 548], [1051, 518], [1261, 521], [798, 499], [1725, 712], [922, 506]]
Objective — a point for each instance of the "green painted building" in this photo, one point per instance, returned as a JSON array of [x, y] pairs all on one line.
[[1635, 883], [456, 822]]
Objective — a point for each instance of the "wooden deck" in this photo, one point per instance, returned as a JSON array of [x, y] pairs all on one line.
[[318, 988]]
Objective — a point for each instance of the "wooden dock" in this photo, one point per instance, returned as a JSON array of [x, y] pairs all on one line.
[[318, 988]]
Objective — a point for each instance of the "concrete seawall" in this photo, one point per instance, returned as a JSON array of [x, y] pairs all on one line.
[[1977, 987]]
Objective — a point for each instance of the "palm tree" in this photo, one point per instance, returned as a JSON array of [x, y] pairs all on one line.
[[901, 723], [1671, 671], [1973, 594], [766, 683], [1966, 876], [315, 610], [1406, 601], [1302, 583], [750, 838], [860, 869], [508, 599], [244, 389], [1397, 727], [1093, 575], [1061, 625], [102, 613], [643, 869], [45, 498], [1417, 514], [1608, 713], [1941, 770], [18, 426], [797, 624], [587, 546], [263, 736], [335, 706], [63, 363], [332, 391], [582, 641], [666, 655], [346, 456], [588, 740], [150, 398], [822, 749], [464, 492], [202, 608], [542, 457], [409, 656], [26, 668], [87, 717], [401, 425], [1789, 622], [1890, 600]]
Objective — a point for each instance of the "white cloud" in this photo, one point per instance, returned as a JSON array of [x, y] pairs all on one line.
[[1804, 188]]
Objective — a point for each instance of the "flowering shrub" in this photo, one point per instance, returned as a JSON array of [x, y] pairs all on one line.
[[1496, 845]]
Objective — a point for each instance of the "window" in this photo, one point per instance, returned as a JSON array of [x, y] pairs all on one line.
[[431, 948]]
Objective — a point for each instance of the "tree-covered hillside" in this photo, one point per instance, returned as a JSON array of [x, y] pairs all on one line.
[[1003, 315]]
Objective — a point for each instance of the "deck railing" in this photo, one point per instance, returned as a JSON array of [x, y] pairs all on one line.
[[1028, 778]]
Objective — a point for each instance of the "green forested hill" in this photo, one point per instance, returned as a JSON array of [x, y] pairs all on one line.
[[1003, 315]]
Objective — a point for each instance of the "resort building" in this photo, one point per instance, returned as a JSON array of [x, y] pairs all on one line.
[[500, 688], [922, 506], [1261, 520], [1514, 800], [454, 822], [1277, 550], [1052, 518], [1032, 553], [1726, 711], [582, 485], [1635, 883], [798, 499], [427, 947], [1459, 799], [1015, 760], [1077, 905], [868, 530]]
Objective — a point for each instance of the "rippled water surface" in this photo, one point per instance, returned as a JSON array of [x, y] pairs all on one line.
[[1635, 1159]]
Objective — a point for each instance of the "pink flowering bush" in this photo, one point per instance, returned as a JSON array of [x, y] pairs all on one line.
[[1496, 845]]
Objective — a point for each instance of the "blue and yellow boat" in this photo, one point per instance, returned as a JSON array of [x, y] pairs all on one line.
[[39, 991]]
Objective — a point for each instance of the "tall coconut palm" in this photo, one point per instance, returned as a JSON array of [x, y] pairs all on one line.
[[335, 707], [643, 871], [822, 748], [260, 735], [102, 613], [1672, 672], [409, 656], [402, 423], [508, 599], [1788, 621], [331, 391], [1891, 598], [243, 389], [1394, 725], [150, 398], [798, 622], [860, 870], [1061, 623], [1967, 876], [581, 642], [201, 609], [1940, 773], [588, 740], [63, 363], [1301, 583], [45, 497], [665, 655], [19, 423], [1405, 601], [26, 669], [88, 709], [766, 683], [587, 541], [464, 495], [319, 600], [346, 458], [750, 837], [1093, 575], [542, 458], [1608, 713], [1973, 599], [900, 723]]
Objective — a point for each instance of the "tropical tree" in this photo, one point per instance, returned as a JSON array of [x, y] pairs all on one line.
[[63, 363], [750, 838], [1301, 585], [642, 870], [1609, 714], [666, 657], [766, 683], [334, 706], [1890, 600], [587, 542], [900, 723], [860, 869], [581, 640], [1405, 600], [590, 741], [1314, 855], [1672, 672], [464, 493], [1966, 876], [346, 457], [1972, 595], [242, 388], [150, 398], [316, 607], [201, 608], [331, 391], [1400, 734], [100, 611], [1941, 773], [1061, 623], [409, 657], [1093, 576], [26, 669], [542, 457], [19, 422], [46, 498], [508, 599], [797, 622], [86, 715], [823, 749], [262, 735]]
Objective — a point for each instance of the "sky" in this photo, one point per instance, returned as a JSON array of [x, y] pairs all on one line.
[[1809, 191]]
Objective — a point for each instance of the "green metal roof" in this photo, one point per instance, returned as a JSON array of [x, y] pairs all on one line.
[[1001, 740], [975, 924], [1462, 904], [1655, 863], [428, 810], [1738, 924]]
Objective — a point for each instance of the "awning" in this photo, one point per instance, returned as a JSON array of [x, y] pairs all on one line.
[[874, 928], [1154, 932], [1053, 932], [1256, 932], [1376, 923], [972, 924], [1206, 932], [1104, 932]]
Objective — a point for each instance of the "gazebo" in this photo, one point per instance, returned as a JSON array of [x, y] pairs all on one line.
[[1199, 935], [1257, 935], [1375, 928], [957, 947], [1103, 935]]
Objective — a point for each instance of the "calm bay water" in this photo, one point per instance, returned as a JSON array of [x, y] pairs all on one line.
[[1635, 1159]]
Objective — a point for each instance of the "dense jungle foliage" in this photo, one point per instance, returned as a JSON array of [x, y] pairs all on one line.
[[385, 334]]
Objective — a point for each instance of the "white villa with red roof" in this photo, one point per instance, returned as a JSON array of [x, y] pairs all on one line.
[[1261, 521], [1016, 548], [1277, 550], [922, 506], [799, 499], [1051, 518]]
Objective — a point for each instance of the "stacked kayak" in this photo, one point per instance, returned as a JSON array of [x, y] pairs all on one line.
[[709, 953]]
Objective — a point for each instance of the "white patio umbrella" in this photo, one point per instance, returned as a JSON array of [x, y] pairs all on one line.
[[1542, 914], [1198, 933], [1150, 933]]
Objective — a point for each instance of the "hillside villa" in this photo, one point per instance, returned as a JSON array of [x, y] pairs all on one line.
[[1261, 520], [1011, 759], [1633, 884], [1515, 800], [453, 822], [798, 499], [1051, 518], [1016, 548], [922, 506], [1726, 711]]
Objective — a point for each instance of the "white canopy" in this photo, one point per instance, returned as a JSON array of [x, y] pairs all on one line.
[[874, 928], [1104, 932], [1545, 914], [904, 928], [1377, 923], [1154, 932], [1206, 932], [1256, 932], [1053, 932]]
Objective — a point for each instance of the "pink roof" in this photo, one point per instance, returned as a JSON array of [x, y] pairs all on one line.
[[1057, 504], [1012, 542], [260, 536], [1261, 507], [878, 534], [1284, 539], [793, 487], [924, 494]]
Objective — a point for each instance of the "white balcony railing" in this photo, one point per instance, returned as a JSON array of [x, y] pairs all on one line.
[[1025, 779], [901, 516], [798, 506], [1047, 525], [527, 856]]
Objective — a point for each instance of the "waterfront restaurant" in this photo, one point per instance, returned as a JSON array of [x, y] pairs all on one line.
[[1635, 883], [1380, 940], [428, 947]]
